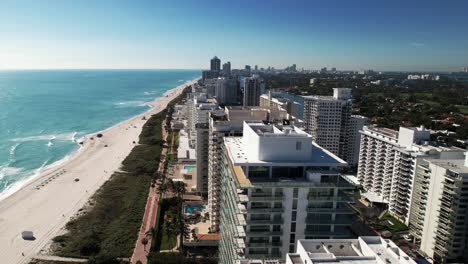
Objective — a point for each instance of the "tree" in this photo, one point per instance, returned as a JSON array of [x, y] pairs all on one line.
[[144, 241]]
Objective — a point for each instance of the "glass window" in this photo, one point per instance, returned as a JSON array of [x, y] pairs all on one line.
[[293, 227], [294, 204], [293, 216], [259, 172]]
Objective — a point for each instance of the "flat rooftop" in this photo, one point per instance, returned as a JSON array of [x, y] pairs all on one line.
[[365, 250], [318, 156], [384, 131], [456, 165]]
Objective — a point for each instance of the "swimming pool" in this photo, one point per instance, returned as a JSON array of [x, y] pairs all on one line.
[[190, 209], [189, 167]]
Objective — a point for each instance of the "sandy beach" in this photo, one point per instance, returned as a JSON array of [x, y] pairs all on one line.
[[46, 203]]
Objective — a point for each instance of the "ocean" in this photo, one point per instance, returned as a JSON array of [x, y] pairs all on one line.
[[43, 113]]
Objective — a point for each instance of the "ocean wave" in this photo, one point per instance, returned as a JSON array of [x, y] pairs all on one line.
[[58, 137], [5, 171], [130, 104], [180, 80], [12, 151]]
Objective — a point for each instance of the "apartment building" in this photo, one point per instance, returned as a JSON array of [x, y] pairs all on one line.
[[363, 250], [277, 186], [328, 119], [439, 214], [388, 162], [228, 122], [277, 102]]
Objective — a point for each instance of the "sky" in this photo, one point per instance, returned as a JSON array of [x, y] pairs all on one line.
[[395, 35]]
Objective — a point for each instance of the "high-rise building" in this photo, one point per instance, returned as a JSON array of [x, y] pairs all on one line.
[[439, 215], [363, 250], [388, 162], [465, 69], [330, 122], [277, 102], [209, 75], [271, 198], [228, 122], [227, 69], [226, 91], [215, 64], [253, 88]]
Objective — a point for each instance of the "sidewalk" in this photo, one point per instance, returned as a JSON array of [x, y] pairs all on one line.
[[141, 251]]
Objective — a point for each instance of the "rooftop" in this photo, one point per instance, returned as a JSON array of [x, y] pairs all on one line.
[[318, 156], [455, 165], [384, 131], [364, 250]]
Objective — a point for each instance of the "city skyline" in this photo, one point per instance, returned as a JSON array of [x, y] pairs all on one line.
[[396, 36]]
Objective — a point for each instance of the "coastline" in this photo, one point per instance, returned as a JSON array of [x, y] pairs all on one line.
[[47, 201]]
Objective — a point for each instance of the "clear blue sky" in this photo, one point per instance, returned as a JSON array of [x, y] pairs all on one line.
[[383, 35]]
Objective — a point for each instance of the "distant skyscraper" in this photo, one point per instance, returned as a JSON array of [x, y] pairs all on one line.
[[465, 69], [253, 88], [247, 69], [256, 67], [227, 68], [226, 91], [215, 64]]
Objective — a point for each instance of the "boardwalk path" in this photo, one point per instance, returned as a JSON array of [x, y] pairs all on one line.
[[141, 251]]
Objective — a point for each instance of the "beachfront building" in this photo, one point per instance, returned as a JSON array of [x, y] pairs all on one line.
[[253, 88], [330, 122], [198, 106], [223, 123], [363, 250], [271, 198], [439, 214], [278, 102]]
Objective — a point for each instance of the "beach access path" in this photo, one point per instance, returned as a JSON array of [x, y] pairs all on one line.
[[141, 251], [47, 203]]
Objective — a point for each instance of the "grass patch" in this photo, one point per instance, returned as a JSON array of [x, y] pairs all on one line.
[[397, 225], [168, 241], [463, 109]]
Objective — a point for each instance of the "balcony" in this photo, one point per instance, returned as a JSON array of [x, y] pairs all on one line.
[[266, 198], [265, 244], [342, 210], [264, 233], [265, 221], [254, 210]]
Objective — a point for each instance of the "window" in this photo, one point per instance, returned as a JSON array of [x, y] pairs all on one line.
[[293, 227], [276, 228], [295, 192], [298, 145], [292, 238], [294, 206], [291, 249], [294, 216]]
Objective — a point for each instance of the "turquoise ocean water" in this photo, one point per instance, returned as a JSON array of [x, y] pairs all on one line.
[[43, 113]]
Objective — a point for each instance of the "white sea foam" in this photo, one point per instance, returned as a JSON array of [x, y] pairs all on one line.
[[50, 144], [58, 137], [5, 171], [12, 151], [130, 104]]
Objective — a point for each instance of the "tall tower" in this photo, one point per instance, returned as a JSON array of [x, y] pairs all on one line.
[[215, 64], [227, 68], [253, 89]]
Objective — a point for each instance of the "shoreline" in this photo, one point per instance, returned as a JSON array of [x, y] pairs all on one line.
[[17, 186], [46, 202]]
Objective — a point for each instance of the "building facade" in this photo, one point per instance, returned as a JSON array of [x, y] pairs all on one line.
[[253, 88], [215, 64], [271, 198], [439, 214], [329, 120]]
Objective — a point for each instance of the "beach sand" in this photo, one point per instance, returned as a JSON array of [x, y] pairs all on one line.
[[46, 210]]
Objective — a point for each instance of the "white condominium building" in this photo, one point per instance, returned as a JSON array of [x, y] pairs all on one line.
[[363, 250], [376, 160], [277, 102], [198, 106], [388, 162], [328, 119], [439, 214], [228, 123], [277, 186]]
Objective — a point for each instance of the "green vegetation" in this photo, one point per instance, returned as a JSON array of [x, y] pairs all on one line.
[[394, 103], [396, 227], [108, 226]]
